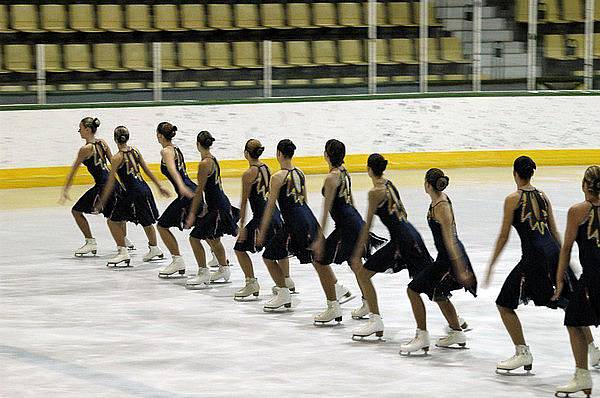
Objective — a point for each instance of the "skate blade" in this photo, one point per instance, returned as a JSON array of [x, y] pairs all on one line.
[[175, 275], [220, 282], [458, 346], [283, 308], [333, 322], [118, 265], [563, 394], [420, 353], [596, 366], [348, 297], [246, 298], [155, 258], [200, 286], [360, 318], [93, 254], [378, 337], [511, 373]]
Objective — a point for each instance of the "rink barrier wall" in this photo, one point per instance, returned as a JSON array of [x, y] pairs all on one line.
[[32, 177]]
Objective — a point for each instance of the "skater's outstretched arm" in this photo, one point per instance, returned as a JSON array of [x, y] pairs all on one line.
[[248, 178], [168, 156], [275, 185], [204, 168], [444, 215], [376, 196], [163, 191], [112, 179], [577, 213], [83, 153], [329, 187], [510, 204]]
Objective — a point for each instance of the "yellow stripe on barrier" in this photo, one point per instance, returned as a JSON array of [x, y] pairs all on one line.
[[55, 175]]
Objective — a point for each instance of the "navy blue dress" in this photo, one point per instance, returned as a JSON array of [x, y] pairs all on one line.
[[176, 213], [439, 280], [534, 277], [136, 203], [584, 306], [221, 218], [300, 227], [340, 244], [406, 249], [97, 165], [258, 197]]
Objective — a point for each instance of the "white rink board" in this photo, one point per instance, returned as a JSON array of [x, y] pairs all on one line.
[[40, 138]]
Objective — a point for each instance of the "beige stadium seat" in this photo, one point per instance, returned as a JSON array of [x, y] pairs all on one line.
[[402, 51], [54, 18], [107, 57], [24, 18], [452, 50], [53, 58], [325, 15], [596, 12], [325, 52], [299, 15], [273, 16], [168, 57], [399, 14], [166, 17], [597, 45], [298, 53], [82, 18], [554, 47], [383, 53], [191, 56], [4, 20], [552, 11], [433, 52], [278, 55], [382, 14], [245, 55], [522, 11], [193, 17], [351, 52], [135, 57], [138, 18], [578, 41], [218, 56], [78, 58], [220, 17], [573, 10], [430, 13], [110, 18], [246, 16], [351, 14]]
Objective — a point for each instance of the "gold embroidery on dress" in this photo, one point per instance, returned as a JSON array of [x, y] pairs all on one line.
[[99, 156], [531, 211], [345, 190], [593, 227], [131, 165], [262, 183], [394, 203], [295, 187]]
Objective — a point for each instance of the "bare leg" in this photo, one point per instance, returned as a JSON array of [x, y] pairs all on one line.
[[579, 346], [418, 309], [275, 271], [198, 250], [116, 230], [512, 324], [356, 267], [217, 248], [589, 339], [328, 280], [284, 266], [449, 313], [82, 223], [368, 290], [245, 263], [150, 234], [169, 240]]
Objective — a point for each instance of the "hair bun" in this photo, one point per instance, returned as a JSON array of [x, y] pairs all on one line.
[[96, 122], [259, 151], [442, 183], [174, 129], [596, 185]]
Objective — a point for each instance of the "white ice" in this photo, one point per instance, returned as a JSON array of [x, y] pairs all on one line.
[[71, 327]]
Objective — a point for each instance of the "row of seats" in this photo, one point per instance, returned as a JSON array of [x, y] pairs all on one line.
[[172, 17], [126, 57], [569, 47], [556, 11]]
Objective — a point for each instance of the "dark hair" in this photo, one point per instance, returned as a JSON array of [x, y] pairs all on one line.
[[377, 164], [336, 150], [121, 134], [287, 148], [205, 139], [91, 122], [167, 130], [524, 167], [254, 148], [437, 179], [592, 179]]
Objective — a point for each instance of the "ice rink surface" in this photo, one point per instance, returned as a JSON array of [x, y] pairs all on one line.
[[70, 327]]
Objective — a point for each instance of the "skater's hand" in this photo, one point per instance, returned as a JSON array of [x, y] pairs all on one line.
[[243, 235], [204, 211], [164, 191], [560, 284], [317, 247], [64, 197], [189, 221], [187, 193], [488, 279], [260, 238]]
